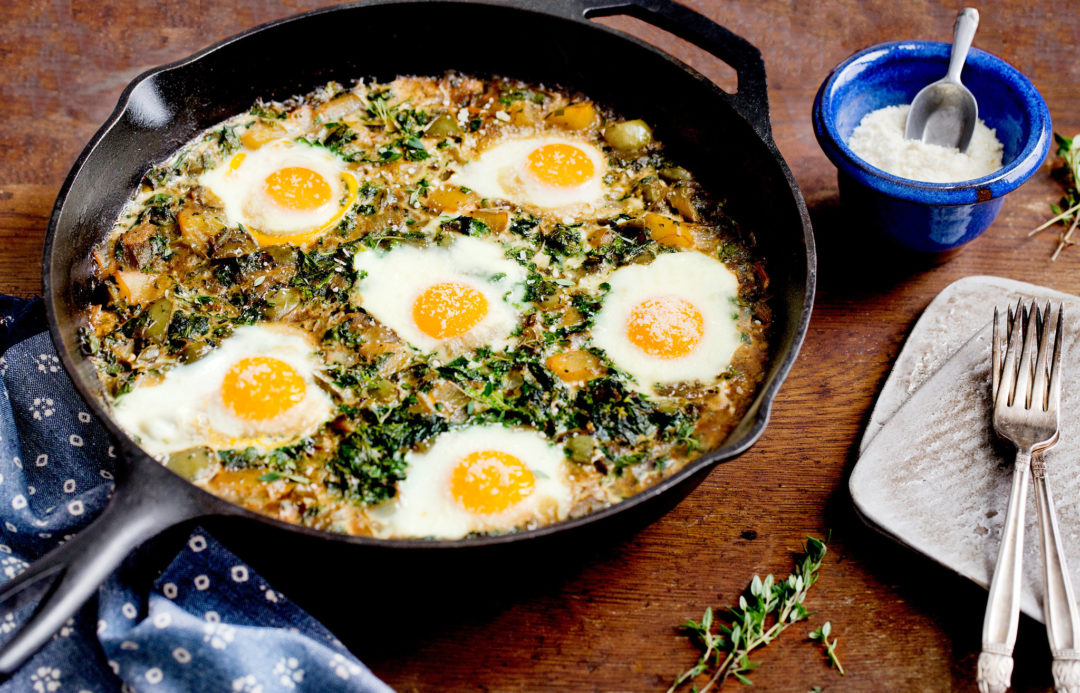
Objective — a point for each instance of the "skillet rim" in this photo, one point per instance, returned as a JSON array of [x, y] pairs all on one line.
[[131, 455]]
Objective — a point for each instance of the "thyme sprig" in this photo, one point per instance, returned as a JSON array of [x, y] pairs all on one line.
[[1067, 211], [765, 611], [822, 635]]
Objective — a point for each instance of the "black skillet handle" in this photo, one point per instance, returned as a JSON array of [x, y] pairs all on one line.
[[148, 499], [752, 97]]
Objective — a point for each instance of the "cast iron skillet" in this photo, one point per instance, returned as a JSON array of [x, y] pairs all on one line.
[[725, 138]]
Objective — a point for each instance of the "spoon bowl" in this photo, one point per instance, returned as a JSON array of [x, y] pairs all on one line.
[[945, 112]]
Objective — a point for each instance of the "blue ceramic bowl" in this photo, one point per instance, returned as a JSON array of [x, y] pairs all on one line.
[[928, 217]]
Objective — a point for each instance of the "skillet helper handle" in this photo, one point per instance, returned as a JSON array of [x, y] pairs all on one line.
[[148, 499], [1002, 618], [752, 98], [1059, 600]]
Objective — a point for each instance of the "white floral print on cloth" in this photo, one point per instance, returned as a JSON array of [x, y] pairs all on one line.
[[207, 623]]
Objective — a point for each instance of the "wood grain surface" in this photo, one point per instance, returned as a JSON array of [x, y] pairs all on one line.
[[607, 622]]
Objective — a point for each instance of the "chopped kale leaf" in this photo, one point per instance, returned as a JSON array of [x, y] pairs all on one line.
[[371, 460]]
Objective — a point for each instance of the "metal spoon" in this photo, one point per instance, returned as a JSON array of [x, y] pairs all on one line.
[[945, 112]]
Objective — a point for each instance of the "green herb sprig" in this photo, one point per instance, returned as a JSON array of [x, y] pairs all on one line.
[[1067, 211], [765, 611], [822, 635]]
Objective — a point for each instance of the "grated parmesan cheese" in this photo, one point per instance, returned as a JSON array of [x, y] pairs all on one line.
[[879, 141]]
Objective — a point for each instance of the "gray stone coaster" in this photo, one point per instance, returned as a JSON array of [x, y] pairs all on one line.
[[930, 473]]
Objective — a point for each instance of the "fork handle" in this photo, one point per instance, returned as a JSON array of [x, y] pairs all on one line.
[[1059, 601], [1003, 605]]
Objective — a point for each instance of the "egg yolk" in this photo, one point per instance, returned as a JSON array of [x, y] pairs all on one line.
[[561, 165], [298, 188], [265, 237], [449, 309], [490, 481], [259, 388], [667, 327]]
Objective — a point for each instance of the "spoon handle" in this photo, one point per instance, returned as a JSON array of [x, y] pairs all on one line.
[[967, 21]]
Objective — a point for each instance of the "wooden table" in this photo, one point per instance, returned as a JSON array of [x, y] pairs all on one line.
[[904, 624]]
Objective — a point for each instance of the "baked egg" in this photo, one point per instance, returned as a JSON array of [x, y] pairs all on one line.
[[446, 299], [673, 320], [257, 389], [549, 173], [477, 479], [283, 192]]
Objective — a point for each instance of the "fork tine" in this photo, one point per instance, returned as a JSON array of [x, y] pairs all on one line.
[[995, 360], [1054, 398], [1027, 357], [1006, 337], [1010, 322], [1007, 386], [1040, 385]]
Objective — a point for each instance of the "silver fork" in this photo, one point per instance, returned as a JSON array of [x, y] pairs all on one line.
[[1027, 400]]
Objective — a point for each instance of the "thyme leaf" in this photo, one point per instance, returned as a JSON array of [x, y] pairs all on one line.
[[822, 635]]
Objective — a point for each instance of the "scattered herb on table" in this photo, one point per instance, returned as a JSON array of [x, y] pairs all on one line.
[[822, 635], [1067, 211], [764, 611]]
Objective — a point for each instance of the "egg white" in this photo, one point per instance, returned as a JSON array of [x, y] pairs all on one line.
[[239, 182], [691, 276], [502, 172], [185, 408], [425, 507], [391, 281]]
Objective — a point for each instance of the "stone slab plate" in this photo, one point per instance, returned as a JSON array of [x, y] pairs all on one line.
[[931, 473]]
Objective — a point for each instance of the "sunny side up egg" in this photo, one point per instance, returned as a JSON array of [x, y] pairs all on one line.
[[445, 299], [670, 321], [478, 479], [257, 389], [549, 173], [283, 192]]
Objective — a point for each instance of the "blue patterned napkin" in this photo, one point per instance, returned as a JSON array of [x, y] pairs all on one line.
[[207, 623]]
